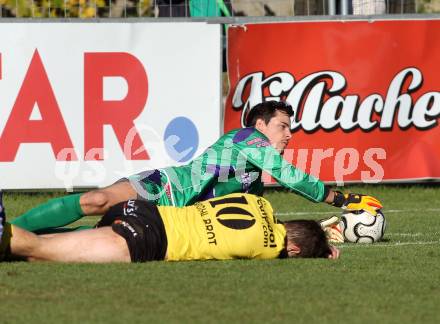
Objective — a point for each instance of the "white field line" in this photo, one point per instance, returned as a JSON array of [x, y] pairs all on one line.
[[386, 211], [412, 234], [396, 244]]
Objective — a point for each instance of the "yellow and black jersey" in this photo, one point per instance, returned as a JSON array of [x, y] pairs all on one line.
[[228, 227]]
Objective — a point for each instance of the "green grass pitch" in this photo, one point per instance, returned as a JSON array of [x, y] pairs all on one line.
[[394, 281]]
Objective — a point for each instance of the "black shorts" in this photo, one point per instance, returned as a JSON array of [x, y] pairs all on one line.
[[140, 224]]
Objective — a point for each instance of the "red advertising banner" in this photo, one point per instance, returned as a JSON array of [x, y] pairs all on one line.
[[365, 94]]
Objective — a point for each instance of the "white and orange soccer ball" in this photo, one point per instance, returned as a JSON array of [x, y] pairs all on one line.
[[362, 227]]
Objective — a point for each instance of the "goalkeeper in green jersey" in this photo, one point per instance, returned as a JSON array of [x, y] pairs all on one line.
[[232, 164]]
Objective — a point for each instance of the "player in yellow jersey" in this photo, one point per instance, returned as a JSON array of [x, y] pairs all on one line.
[[236, 226]]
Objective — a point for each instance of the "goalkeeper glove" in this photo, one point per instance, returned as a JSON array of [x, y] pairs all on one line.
[[332, 229], [354, 201]]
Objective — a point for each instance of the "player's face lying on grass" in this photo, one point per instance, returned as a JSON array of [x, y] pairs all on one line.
[[294, 250], [277, 130]]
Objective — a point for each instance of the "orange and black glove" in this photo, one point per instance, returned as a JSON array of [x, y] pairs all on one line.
[[353, 201]]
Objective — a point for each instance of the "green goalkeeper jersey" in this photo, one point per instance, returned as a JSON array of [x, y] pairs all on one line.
[[232, 164]]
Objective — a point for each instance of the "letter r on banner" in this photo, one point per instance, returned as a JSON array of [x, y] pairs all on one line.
[[119, 114]]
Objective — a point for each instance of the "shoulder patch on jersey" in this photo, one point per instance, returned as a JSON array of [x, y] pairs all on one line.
[[263, 144], [254, 141], [242, 134], [258, 142]]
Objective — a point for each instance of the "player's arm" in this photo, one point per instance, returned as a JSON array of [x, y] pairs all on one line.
[[266, 158], [257, 151]]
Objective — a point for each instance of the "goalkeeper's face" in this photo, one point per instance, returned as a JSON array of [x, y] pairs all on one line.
[[277, 130]]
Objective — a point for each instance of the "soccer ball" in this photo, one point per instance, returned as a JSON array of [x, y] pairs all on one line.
[[362, 227]]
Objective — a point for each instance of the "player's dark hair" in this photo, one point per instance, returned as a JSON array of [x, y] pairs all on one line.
[[309, 237], [266, 110]]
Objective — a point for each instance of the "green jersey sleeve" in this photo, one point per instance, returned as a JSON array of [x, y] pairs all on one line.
[[254, 148]]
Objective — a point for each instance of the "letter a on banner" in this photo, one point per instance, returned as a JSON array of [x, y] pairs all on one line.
[[35, 90], [120, 114]]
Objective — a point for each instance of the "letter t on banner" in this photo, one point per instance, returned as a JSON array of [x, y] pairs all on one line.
[[119, 114]]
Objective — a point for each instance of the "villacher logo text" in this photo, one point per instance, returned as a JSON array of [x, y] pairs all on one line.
[[319, 101]]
